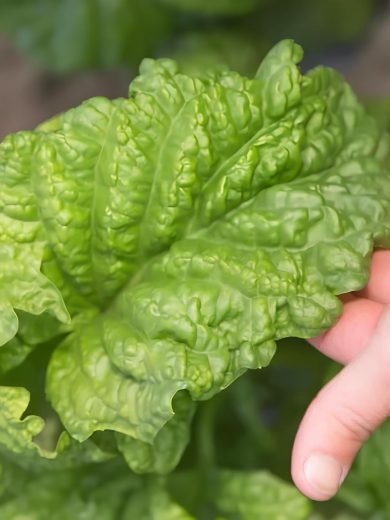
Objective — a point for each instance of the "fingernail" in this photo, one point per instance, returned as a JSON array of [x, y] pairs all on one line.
[[324, 474]]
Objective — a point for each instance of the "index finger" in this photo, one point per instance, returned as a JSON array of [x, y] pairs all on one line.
[[353, 330], [378, 287]]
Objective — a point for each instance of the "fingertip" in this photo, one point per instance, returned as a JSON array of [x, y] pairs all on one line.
[[341, 418], [320, 476]]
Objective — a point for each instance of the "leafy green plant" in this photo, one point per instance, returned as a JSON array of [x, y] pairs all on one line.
[[155, 248]]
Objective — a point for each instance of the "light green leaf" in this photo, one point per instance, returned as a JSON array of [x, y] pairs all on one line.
[[191, 226], [98, 492], [152, 503], [23, 287], [251, 496], [165, 453], [22, 242], [19, 438], [16, 435]]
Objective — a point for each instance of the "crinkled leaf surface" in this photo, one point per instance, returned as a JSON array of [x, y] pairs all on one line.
[[22, 285], [15, 434], [18, 434], [97, 492], [64, 36], [187, 228], [168, 445]]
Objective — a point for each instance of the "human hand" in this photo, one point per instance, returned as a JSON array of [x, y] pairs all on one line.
[[354, 403]]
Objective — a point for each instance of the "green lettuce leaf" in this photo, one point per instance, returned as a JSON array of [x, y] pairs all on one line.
[[20, 442], [16, 434], [153, 503], [240, 495], [186, 229], [168, 445], [255, 495], [22, 285]]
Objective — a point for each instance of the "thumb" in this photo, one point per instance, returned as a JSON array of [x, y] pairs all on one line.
[[342, 417]]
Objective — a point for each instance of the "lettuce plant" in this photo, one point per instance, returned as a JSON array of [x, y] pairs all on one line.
[[155, 248]]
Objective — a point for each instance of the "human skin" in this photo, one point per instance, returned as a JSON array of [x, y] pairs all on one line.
[[355, 402]]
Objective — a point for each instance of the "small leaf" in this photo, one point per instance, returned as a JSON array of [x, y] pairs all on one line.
[[255, 495]]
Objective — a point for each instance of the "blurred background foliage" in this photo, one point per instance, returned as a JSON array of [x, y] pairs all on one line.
[[70, 50], [77, 34]]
